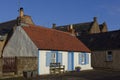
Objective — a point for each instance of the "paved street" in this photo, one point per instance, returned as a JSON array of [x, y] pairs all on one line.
[[83, 75]]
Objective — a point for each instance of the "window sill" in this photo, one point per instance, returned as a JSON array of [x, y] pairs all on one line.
[[108, 61]]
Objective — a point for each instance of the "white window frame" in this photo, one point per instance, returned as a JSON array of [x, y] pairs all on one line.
[[53, 58], [83, 58]]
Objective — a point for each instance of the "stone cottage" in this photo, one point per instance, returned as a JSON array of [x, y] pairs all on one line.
[[49, 46], [14, 64], [105, 49], [26, 47]]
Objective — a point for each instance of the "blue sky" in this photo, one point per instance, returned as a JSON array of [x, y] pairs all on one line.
[[62, 12]]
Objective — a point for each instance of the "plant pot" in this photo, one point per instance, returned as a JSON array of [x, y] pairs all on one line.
[[27, 74], [77, 69]]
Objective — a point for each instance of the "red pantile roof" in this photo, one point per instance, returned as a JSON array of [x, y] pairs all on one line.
[[51, 39]]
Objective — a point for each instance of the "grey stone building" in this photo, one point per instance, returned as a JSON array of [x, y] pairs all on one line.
[[105, 49], [83, 28], [15, 64]]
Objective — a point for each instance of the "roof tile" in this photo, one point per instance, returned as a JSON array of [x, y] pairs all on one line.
[[51, 39]]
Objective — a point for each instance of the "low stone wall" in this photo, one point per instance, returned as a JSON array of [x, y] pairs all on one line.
[[26, 64]]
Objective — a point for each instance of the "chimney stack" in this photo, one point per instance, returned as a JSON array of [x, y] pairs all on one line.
[[54, 26], [21, 12], [95, 19], [71, 29]]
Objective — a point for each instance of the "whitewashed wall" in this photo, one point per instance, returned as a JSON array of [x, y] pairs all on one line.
[[83, 67], [64, 59], [43, 69]]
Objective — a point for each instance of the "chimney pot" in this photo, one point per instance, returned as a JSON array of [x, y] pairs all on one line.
[[95, 18], [21, 8], [71, 27]]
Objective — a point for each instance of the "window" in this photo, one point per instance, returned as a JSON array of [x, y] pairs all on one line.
[[53, 58], [109, 56], [83, 58]]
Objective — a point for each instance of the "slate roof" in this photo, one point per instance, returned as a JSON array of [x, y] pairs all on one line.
[[102, 41], [51, 39], [80, 27], [6, 27], [83, 26]]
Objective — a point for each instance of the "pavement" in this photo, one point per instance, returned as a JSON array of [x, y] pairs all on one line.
[[8, 75], [82, 75], [97, 75]]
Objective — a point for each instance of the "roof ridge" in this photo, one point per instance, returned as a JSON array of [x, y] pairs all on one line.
[[75, 24], [84, 22], [37, 26], [8, 21]]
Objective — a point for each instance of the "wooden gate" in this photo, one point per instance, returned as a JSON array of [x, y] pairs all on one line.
[[9, 64]]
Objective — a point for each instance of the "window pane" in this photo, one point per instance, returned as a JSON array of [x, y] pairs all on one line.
[[53, 58], [82, 58], [109, 56]]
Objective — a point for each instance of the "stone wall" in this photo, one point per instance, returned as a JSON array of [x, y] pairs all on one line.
[[95, 28], [104, 29], [1, 66], [26, 64], [2, 43], [116, 60], [99, 60]]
